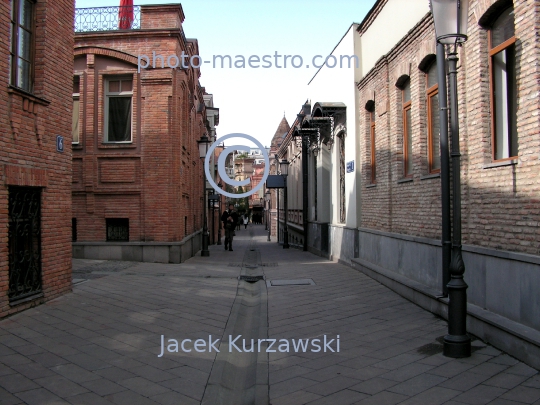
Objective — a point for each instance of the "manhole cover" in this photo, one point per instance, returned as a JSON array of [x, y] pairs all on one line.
[[277, 283], [251, 279]]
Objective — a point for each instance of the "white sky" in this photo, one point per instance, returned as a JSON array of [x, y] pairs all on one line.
[[250, 100]]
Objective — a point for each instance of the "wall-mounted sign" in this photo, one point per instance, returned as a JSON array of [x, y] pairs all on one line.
[[59, 143], [350, 166]]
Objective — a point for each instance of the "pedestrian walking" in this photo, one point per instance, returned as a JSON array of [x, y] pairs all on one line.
[[229, 219], [246, 221]]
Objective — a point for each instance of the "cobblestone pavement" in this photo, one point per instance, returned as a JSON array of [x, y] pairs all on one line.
[[100, 344]]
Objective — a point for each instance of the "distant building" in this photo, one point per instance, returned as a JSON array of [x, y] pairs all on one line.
[[35, 151]]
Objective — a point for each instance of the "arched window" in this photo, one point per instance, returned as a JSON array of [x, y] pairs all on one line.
[[433, 125], [407, 128], [502, 55], [342, 200]]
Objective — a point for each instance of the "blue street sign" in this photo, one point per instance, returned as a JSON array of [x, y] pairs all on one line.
[[350, 166], [59, 143]]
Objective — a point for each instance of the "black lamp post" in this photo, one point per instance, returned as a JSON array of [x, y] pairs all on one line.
[[220, 185], [284, 169], [268, 197], [203, 143], [450, 18]]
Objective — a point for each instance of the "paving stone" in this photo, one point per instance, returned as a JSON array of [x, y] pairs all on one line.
[[7, 398], [373, 386], [75, 373], [527, 395], [88, 398], [479, 395], [289, 386], [344, 397], [114, 373], [417, 384], [14, 383], [185, 387], [432, 396], [333, 385], [296, 398], [383, 398], [129, 398], [40, 396], [102, 387], [506, 380], [522, 369], [33, 370], [465, 381], [174, 398], [60, 386], [407, 372]]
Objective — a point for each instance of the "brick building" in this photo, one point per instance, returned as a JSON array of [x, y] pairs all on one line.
[[137, 175], [36, 45], [396, 236]]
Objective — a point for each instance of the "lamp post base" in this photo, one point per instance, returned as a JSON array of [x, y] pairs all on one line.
[[205, 253], [457, 347]]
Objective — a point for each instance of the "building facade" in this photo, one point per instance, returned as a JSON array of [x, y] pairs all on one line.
[[35, 152], [137, 175], [396, 235]]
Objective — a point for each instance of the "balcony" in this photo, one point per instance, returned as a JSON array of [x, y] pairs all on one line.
[[107, 18]]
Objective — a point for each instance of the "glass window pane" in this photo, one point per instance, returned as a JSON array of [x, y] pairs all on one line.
[[407, 91], [127, 85], [114, 86], [432, 75], [408, 117], [500, 101], [435, 133], [76, 84], [75, 121], [503, 28], [119, 129], [23, 75], [25, 16], [25, 44]]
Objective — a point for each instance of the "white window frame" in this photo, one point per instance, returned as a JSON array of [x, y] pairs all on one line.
[[77, 96], [109, 95]]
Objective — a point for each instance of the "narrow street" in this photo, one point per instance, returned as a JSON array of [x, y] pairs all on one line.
[[100, 344]]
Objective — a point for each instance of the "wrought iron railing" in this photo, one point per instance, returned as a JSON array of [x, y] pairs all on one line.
[[107, 18]]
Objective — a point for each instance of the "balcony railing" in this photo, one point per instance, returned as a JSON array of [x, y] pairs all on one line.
[[110, 18]]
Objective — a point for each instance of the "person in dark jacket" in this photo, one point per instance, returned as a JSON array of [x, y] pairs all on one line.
[[229, 219]]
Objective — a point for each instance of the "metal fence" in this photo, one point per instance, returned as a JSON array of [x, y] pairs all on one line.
[[107, 18]]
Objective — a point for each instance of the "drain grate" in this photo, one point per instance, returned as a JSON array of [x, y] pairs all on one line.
[[251, 279], [277, 283]]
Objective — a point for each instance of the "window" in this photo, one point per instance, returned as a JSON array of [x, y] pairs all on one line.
[[74, 229], [433, 125], [22, 40], [502, 56], [407, 129], [75, 117], [117, 229], [342, 199], [118, 105], [372, 144]]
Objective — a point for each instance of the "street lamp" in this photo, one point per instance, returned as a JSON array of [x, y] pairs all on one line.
[[220, 185], [203, 143], [450, 18], [268, 198], [284, 169]]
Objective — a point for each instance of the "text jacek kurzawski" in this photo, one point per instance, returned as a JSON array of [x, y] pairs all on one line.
[[240, 345]]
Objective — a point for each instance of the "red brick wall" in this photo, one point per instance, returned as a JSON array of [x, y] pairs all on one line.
[[28, 155], [164, 180], [500, 205]]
